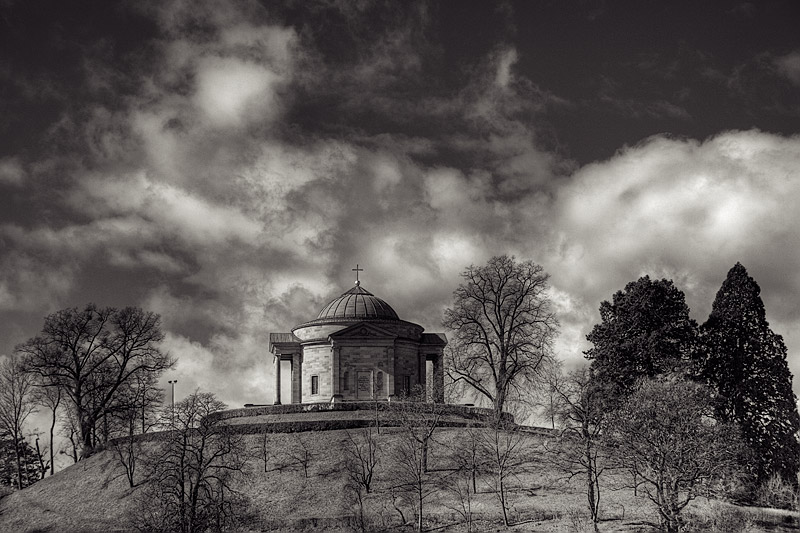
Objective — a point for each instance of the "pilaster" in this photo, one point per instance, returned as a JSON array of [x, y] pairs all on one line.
[[335, 383], [391, 371]]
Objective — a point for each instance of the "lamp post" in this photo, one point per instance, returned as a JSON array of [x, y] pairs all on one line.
[[173, 382]]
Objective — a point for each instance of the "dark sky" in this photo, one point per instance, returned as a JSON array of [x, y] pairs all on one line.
[[227, 164]]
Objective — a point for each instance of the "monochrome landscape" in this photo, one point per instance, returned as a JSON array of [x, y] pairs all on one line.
[[371, 266]]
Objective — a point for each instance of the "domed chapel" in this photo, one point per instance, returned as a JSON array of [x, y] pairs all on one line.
[[358, 349]]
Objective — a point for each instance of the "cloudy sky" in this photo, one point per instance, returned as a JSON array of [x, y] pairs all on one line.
[[226, 164]]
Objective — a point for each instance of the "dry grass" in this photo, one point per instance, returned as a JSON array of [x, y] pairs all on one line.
[[93, 496]]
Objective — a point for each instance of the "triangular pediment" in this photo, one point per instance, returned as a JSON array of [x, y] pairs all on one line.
[[363, 330]]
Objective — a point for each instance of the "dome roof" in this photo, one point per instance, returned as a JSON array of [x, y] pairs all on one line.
[[358, 303]]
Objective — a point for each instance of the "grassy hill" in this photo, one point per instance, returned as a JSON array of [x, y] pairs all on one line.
[[94, 495]]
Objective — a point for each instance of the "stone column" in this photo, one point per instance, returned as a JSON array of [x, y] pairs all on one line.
[[297, 378], [277, 380], [438, 378], [429, 381]]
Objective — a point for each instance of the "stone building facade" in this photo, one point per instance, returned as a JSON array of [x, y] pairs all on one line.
[[358, 349]]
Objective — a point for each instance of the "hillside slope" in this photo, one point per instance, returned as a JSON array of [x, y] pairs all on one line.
[[94, 496]]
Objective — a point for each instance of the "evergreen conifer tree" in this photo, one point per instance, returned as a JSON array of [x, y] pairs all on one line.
[[746, 362], [644, 332]]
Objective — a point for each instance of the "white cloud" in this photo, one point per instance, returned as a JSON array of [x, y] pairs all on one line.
[[506, 60], [11, 171], [789, 66], [133, 204], [29, 284], [685, 210], [232, 92]]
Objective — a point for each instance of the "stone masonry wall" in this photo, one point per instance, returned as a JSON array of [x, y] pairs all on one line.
[[406, 363], [373, 359], [317, 362]]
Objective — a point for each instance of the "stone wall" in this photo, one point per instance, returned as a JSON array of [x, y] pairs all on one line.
[[406, 363], [365, 359], [317, 362]]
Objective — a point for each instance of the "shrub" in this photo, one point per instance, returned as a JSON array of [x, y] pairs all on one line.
[[720, 518], [775, 492]]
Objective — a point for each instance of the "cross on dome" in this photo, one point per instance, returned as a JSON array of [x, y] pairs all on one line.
[[357, 270]]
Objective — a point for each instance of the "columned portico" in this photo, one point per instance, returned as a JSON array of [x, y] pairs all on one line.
[[284, 347]]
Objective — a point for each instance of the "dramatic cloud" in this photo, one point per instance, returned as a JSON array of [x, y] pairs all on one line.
[[231, 168], [688, 211]]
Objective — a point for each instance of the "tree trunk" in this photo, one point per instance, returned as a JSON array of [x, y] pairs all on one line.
[[42, 469], [590, 494], [71, 437], [419, 509], [671, 525], [503, 502], [19, 461], [499, 402], [593, 488], [86, 436], [52, 429]]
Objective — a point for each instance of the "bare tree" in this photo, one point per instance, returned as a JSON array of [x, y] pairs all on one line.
[[361, 461], [581, 448], [462, 483], [412, 477], [50, 398], [44, 466], [69, 429], [419, 419], [505, 457], [664, 432], [504, 329], [264, 451], [134, 410], [548, 398], [468, 456], [128, 450], [136, 406], [361, 455], [458, 486], [16, 404], [418, 422], [90, 354], [193, 471], [300, 454]]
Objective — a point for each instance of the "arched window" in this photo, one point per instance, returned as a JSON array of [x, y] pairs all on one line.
[[379, 382]]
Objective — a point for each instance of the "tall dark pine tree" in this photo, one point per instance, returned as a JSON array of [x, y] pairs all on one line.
[[746, 362], [644, 332]]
